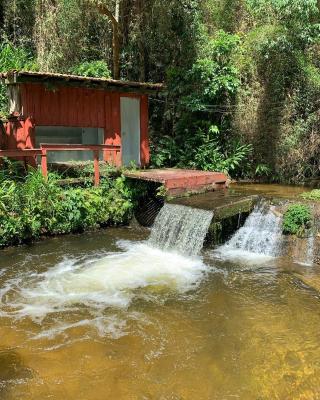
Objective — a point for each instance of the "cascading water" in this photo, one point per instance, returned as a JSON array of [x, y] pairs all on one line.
[[304, 253], [115, 279], [303, 249], [180, 228], [261, 233]]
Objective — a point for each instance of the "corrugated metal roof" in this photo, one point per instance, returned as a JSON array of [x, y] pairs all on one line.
[[25, 76]]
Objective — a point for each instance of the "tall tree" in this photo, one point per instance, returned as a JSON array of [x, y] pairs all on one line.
[[105, 9]]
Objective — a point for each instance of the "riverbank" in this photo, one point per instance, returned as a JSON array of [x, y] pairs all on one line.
[[31, 207]]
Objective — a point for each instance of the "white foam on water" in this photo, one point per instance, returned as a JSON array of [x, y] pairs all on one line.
[[111, 281], [241, 256], [83, 288], [110, 326]]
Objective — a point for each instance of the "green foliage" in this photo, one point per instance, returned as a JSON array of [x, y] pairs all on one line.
[[313, 195], [213, 77], [162, 191], [249, 67], [160, 35], [35, 207], [12, 57], [203, 150], [96, 69], [297, 219], [201, 138], [276, 107], [262, 171], [288, 11], [210, 80]]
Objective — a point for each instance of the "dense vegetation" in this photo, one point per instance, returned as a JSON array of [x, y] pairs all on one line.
[[297, 219], [243, 76], [31, 207], [314, 195]]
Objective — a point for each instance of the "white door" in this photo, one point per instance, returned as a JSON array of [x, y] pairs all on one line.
[[130, 130]]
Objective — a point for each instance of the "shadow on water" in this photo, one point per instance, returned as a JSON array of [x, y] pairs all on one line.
[[12, 371]]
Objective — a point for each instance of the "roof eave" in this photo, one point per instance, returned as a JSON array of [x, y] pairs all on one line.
[[16, 77]]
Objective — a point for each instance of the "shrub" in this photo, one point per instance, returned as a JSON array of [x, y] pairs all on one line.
[[313, 195], [200, 95], [31, 207], [297, 219], [95, 69], [12, 57], [203, 149]]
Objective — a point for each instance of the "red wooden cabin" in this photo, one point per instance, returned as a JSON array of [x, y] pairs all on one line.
[[72, 110]]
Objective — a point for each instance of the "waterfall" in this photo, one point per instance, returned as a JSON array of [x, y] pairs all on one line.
[[309, 253], [304, 249], [180, 228], [261, 233]]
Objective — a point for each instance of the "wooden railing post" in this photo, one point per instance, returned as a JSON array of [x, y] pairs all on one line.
[[96, 167], [44, 163]]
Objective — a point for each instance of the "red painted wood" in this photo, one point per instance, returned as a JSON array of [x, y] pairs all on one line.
[[44, 163], [79, 147], [108, 128], [144, 121], [20, 134], [116, 124], [75, 107], [20, 153], [110, 152], [64, 106], [178, 181], [57, 147], [110, 134], [96, 168], [43, 151]]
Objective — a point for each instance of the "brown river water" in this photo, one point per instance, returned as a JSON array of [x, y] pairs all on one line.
[[106, 316]]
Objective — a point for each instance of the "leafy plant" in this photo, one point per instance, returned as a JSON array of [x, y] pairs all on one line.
[[214, 77], [201, 132], [205, 149], [313, 195], [262, 171], [31, 207], [165, 152], [96, 69], [7, 190], [162, 191], [297, 219], [12, 57]]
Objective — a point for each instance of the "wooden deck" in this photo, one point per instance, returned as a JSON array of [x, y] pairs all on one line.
[[182, 181]]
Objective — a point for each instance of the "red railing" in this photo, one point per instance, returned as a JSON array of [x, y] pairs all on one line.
[[45, 148]]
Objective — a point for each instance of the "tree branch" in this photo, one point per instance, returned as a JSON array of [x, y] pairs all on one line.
[[103, 9]]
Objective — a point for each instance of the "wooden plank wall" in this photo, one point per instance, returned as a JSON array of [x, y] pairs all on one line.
[[76, 107]]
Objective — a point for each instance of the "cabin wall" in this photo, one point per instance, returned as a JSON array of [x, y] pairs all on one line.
[[19, 134], [73, 107]]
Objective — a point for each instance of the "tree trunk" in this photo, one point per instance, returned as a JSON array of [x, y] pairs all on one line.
[[114, 19], [116, 43], [140, 12]]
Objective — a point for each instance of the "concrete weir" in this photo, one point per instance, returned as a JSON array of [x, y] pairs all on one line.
[[230, 211], [193, 190]]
